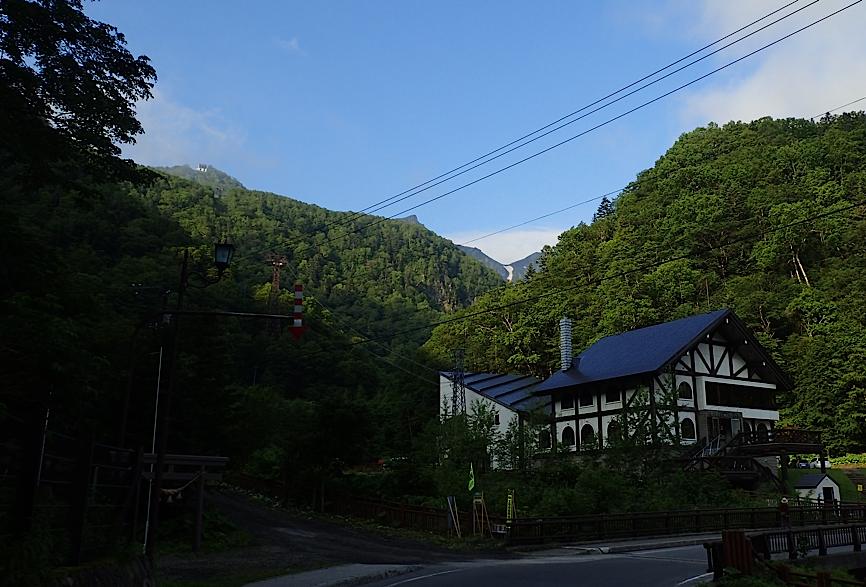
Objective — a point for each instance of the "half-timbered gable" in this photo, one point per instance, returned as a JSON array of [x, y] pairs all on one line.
[[704, 376]]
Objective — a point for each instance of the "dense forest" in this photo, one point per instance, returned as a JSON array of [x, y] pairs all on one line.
[[91, 262], [760, 217], [725, 218]]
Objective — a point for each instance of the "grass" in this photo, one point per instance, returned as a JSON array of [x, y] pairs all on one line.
[[220, 534], [465, 544], [847, 490]]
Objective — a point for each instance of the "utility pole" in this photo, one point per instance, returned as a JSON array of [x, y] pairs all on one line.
[[458, 384], [161, 428], [277, 263], [223, 253]]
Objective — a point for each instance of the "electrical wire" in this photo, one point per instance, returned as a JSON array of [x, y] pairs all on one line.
[[558, 120], [640, 268], [593, 128], [503, 286], [839, 107]]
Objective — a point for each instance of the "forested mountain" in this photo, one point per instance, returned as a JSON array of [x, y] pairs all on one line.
[[732, 209], [204, 174], [487, 261], [521, 267], [90, 259]]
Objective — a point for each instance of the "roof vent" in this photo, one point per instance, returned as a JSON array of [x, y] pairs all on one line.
[[565, 344]]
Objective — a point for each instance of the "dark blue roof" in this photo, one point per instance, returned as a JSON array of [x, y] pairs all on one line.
[[644, 350], [812, 480], [516, 392]]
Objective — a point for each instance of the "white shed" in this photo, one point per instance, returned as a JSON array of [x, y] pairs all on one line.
[[817, 486]]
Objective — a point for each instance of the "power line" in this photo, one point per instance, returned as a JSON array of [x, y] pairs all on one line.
[[610, 193], [334, 314], [599, 108], [593, 128], [640, 268], [360, 213], [505, 285], [379, 344], [839, 107], [542, 217]]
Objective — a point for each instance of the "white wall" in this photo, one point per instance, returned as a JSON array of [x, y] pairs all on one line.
[[506, 415], [818, 492]]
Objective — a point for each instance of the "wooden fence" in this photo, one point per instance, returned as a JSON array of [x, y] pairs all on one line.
[[78, 496], [747, 552], [601, 527]]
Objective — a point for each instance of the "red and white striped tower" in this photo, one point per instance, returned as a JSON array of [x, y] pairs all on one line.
[[298, 314]]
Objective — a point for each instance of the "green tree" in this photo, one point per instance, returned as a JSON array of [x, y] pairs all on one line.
[[71, 73]]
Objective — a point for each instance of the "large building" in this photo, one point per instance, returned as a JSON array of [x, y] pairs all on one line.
[[510, 397], [714, 378]]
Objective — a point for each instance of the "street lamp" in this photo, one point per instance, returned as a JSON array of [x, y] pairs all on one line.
[[223, 253]]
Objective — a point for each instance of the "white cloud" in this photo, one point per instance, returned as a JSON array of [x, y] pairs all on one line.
[[176, 134], [814, 71], [510, 246], [292, 45]]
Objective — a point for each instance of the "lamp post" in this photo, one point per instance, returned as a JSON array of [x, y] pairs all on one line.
[[223, 253]]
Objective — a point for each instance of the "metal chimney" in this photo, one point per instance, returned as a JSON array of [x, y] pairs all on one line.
[[565, 344]]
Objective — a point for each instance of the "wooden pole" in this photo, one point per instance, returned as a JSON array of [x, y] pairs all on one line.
[[81, 496], [136, 492], [199, 511], [30, 434]]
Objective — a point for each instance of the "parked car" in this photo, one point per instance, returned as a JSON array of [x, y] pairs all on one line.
[[816, 464], [802, 464]]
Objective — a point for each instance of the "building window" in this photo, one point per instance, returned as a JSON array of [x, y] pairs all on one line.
[[613, 431], [568, 436], [587, 436], [567, 402], [544, 439], [496, 418], [740, 396], [684, 390], [586, 399], [613, 396], [687, 429]]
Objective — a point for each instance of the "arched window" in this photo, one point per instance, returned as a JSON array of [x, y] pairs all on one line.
[[684, 390], [587, 436], [613, 431], [568, 436], [567, 401], [687, 429], [762, 427], [747, 426], [544, 439]]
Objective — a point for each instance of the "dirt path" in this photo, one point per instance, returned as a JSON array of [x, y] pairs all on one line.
[[283, 540]]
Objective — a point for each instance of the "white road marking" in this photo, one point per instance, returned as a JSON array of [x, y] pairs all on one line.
[[664, 558], [425, 577], [695, 578]]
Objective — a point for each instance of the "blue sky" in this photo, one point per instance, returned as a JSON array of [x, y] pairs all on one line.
[[342, 104]]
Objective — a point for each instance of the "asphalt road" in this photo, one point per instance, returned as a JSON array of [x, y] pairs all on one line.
[[683, 566]]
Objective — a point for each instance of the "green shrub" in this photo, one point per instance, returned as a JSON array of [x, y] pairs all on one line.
[[850, 459]]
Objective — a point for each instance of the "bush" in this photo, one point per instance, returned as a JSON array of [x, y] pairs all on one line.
[[850, 459]]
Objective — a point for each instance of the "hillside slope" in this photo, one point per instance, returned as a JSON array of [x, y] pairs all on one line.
[[394, 271], [725, 202]]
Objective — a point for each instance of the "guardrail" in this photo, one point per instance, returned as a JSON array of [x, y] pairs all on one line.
[[605, 526], [746, 551]]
